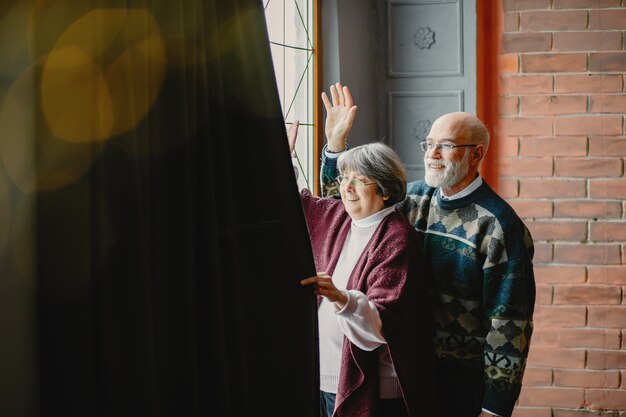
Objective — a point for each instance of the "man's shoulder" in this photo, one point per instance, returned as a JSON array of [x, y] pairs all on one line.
[[496, 204], [419, 188]]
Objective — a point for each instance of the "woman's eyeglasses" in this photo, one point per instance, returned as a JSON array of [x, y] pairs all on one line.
[[356, 183]]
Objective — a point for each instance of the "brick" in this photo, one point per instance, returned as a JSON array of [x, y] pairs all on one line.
[[522, 167], [607, 317], [543, 253], [607, 104], [508, 63], [548, 317], [553, 146], [553, 20], [508, 146], [587, 294], [615, 188], [552, 396], [608, 231], [543, 105], [508, 188], [607, 145], [584, 4], [586, 379], [591, 254], [600, 125], [511, 22], [525, 126], [529, 84], [607, 19], [607, 61], [556, 357], [578, 338], [532, 208], [508, 105], [606, 399], [527, 42], [557, 230], [597, 83], [532, 412], [606, 359], [510, 5], [560, 62], [587, 209], [587, 167], [560, 274], [547, 188], [543, 294], [586, 41], [607, 274], [578, 413], [534, 376]]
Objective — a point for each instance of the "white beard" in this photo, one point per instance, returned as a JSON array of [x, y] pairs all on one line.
[[447, 177]]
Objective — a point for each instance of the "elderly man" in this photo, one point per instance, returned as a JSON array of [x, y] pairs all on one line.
[[480, 257]]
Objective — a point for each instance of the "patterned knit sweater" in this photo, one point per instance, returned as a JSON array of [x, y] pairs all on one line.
[[480, 254]]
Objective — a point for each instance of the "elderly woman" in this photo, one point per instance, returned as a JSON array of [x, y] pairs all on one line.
[[373, 304]]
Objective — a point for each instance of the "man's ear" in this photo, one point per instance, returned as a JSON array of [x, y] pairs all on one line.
[[478, 153]]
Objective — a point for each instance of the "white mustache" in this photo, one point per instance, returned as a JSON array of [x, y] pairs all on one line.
[[437, 162]]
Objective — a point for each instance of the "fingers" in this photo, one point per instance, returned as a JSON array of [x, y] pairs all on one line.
[[326, 101], [334, 96], [292, 134], [347, 96], [351, 116], [321, 277], [340, 95]]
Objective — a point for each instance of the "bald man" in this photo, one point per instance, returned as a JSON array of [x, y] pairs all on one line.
[[479, 253]]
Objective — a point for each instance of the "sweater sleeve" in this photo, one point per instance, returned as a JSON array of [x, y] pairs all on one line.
[[360, 321], [328, 173], [509, 299]]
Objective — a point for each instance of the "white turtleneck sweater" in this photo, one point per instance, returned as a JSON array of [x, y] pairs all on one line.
[[358, 320]]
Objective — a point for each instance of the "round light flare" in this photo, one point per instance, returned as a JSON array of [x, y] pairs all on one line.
[[33, 158], [75, 97], [103, 75]]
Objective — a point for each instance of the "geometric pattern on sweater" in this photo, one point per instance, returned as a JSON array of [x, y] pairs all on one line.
[[509, 334], [467, 224]]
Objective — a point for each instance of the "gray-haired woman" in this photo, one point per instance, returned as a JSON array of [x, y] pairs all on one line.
[[373, 306]]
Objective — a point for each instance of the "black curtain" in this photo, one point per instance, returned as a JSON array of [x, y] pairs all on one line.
[[154, 234]]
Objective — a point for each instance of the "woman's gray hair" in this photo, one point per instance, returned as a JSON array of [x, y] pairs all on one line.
[[379, 163]]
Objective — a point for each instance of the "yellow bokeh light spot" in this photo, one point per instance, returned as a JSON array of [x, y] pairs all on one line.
[[33, 158], [103, 75], [75, 97]]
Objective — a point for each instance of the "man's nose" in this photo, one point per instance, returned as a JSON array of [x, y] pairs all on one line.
[[434, 152]]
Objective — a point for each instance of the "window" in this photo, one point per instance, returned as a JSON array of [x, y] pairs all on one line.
[[290, 24]]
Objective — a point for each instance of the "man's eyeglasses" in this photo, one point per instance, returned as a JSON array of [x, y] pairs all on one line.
[[443, 147], [356, 183]]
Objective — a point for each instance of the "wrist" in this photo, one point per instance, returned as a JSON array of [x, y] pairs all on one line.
[[335, 148]]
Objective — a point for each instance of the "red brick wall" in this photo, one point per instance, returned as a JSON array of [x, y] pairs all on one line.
[[561, 152]]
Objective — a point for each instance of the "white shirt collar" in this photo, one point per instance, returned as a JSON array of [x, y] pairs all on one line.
[[473, 186], [374, 219]]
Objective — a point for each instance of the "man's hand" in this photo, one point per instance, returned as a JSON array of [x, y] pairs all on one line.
[[340, 115], [486, 414]]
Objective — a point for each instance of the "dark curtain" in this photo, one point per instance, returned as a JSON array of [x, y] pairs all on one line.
[[151, 234]]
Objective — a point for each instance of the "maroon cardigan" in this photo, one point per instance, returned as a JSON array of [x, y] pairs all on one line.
[[391, 273]]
